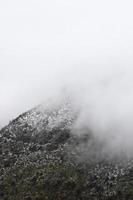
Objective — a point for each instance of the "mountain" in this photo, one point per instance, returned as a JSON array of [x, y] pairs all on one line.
[[41, 158]]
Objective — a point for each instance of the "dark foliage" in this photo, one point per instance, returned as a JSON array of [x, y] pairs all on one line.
[[41, 163]]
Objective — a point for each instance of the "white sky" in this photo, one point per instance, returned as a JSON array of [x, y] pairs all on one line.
[[46, 44]]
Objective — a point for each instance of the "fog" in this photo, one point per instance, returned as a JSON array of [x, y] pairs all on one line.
[[84, 47]]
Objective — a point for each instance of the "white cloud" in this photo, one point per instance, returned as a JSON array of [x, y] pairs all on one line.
[[84, 45]]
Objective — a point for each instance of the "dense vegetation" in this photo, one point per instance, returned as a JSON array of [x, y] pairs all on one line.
[[40, 161]]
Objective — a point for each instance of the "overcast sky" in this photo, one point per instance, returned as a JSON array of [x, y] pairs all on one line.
[[45, 45]]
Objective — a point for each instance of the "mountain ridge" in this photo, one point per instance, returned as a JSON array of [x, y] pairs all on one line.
[[41, 158]]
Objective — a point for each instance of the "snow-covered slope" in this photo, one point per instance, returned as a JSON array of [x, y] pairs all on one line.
[[40, 159]]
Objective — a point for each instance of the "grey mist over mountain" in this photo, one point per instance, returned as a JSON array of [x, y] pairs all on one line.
[[78, 49], [103, 99]]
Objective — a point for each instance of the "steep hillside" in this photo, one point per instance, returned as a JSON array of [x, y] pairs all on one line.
[[41, 159]]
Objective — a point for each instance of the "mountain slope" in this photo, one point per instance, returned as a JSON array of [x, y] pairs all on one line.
[[41, 159]]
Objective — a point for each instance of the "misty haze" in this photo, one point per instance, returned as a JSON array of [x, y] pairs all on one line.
[[66, 85]]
